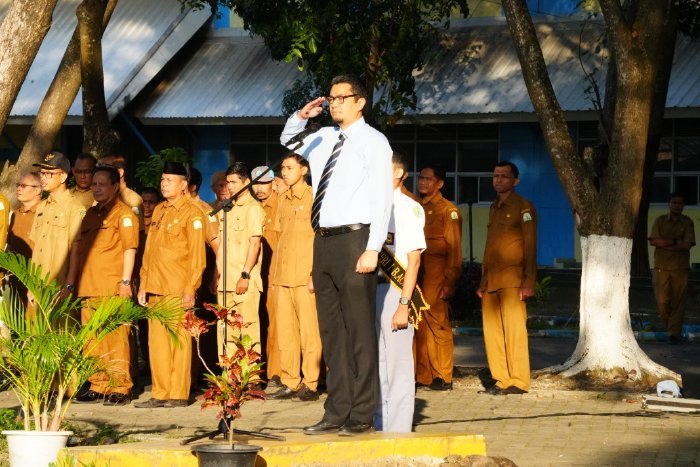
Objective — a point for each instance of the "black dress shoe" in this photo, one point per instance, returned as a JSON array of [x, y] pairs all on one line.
[[176, 403], [117, 398], [439, 384], [355, 428], [88, 397], [514, 390], [305, 394], [493, 391], [150, 404], [283, 394], [274, 383], [321, 428]]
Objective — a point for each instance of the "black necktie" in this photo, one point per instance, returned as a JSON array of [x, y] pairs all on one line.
[[323, 183]]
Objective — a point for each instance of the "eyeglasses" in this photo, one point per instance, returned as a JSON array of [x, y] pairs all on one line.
[[48, 174], [340, 99], [23, 186]]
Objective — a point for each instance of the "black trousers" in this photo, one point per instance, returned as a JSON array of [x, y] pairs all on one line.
[[346, 305]]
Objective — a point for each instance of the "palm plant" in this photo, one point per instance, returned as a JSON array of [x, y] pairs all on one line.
[[46, 352]]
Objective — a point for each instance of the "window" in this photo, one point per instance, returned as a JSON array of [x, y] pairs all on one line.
[[256, 144], [678, 162]]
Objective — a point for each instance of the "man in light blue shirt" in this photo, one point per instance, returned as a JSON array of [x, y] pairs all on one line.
[[352, 183]]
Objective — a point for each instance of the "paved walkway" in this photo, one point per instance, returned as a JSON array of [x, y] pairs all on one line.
[[544, 427]]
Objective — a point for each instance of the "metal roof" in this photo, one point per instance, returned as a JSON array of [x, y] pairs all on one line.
[[140, 39], [473, 71]]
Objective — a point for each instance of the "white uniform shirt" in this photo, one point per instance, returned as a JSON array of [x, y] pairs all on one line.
[[405, 227], [360, 187]]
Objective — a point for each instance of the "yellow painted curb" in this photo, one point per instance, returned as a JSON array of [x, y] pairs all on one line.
[[297, 449]]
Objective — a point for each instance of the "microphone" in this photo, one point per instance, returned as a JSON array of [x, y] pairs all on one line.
[[298, 139]]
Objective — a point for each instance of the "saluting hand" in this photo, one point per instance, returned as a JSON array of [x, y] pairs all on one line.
[[367, 262], [312, 109]]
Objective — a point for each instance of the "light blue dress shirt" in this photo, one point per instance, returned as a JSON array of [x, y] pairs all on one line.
[[360, 190]]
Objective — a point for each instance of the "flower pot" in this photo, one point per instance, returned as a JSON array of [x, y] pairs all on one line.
[[220, 455], [35, 448]]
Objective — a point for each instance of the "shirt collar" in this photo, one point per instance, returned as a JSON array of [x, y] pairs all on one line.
[[58, 198], [298, 190], [177, 204], [243, 198], [102, 208], [435, 198], [354, 128]]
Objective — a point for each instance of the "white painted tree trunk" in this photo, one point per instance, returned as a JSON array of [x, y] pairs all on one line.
[[606, 344]]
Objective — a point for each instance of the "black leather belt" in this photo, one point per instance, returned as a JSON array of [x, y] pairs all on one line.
[[341, 229]]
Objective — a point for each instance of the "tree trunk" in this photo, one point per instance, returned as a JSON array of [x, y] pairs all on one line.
[[21, 33], [99, 138], [58, 100], [606, 346], [604, 195]]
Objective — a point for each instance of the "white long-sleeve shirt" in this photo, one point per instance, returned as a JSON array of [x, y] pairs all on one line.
[[360, 190]]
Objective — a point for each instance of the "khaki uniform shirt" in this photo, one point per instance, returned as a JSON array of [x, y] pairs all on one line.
[[106, 233], [211, 230], [510, 257], [245, 220], [680, 229], [83, 197], [133, 200], [18, 240], [4, 220], [54, 230], [442, 259], [294, 255], [269, 240], [174, 257]]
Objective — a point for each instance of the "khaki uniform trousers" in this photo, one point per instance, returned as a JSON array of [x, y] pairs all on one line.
[[247, 306], [298, 336], [671, 288], [114, 353], [505, 338], [272, 349], [434, 342], [170, 360]]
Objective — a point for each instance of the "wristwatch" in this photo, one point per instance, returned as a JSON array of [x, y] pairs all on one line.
[[245, 275], [69, 287], [125, 282], [404, 301]]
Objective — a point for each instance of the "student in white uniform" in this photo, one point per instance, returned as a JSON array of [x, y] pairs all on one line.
[[399, 305]]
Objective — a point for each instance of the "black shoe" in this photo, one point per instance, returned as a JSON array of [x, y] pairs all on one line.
[[439, 384], [355, 428], [305, 394], [274, 383], [176, 403], [421, 385], [493, 391], [88, 397], [150, 404], [283, 394], [674, 340], [514, 390], [117, 398], [321, 428]]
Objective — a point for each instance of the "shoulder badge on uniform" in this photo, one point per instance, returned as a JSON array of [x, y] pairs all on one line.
[[212, 219], [417, 211], [197, 224], [126, 222], [136, 210], [2, 206], [454, 216], [527, 217]]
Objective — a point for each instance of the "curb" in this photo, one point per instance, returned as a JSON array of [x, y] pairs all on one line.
[[573, 334]]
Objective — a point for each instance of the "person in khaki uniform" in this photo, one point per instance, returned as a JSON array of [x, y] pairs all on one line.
[[104, 261], [57, 221], [673, 235], [441, 266], [295, 318], [83, 168], [28, 193], [220, 188], [508, 277], [269, 199], [4, 219], [243, 257], [173, 262], [126, 194]]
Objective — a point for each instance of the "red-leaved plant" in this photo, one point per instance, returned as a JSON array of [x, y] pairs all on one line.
[[230, 388]]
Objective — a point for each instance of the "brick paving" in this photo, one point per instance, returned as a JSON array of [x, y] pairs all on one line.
[[545, 427]]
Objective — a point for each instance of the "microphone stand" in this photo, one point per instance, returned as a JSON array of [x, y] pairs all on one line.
[[226, 206]]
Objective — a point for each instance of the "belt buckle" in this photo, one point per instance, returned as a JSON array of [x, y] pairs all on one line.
[[322, 231]]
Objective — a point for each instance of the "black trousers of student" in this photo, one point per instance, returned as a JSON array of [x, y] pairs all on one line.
[[346, 305]]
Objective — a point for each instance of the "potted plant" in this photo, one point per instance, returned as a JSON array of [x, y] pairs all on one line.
[[230, 388], [45, 353]]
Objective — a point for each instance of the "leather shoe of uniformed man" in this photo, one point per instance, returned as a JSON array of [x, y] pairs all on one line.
[[171, 403], [282, 394], [150, 404], [510, 390], [117, 398], [321, 428], [352, 427], [305, 394], [493, 391], [274, 383], [439, 384], [88, 397]]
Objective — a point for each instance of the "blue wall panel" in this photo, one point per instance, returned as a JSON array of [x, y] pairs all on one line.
[[553, 7], [211, 154], [522, 144]]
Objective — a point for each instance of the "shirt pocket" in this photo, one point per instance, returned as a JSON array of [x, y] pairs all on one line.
[[60, 221], [174, 229]]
